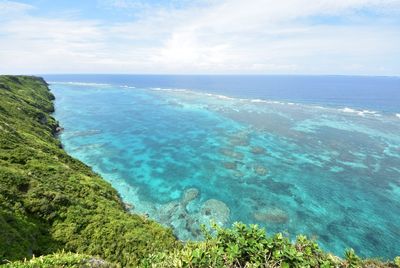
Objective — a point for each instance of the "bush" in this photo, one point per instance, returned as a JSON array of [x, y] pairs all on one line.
[[61, 260], [249, 246], [397, 261]]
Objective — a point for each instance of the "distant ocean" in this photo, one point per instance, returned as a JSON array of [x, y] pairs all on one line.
[[362, 92], [314, 155]]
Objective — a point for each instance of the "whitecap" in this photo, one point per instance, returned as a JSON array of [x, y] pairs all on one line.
[[126, 86], [169, 89], [360, 112], [348, 110], [224, 97], [258, 100], [80, 84]]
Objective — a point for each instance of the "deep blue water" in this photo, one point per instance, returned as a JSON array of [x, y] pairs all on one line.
[[376, 93], [313, 155]]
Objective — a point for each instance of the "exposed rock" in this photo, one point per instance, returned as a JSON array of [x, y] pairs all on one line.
[[128, 206], [216, 210], [97, 263], [42, 118], [258, 150], [271, 215], [59, 129]]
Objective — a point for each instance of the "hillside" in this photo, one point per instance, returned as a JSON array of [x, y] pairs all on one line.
[[50, 201]]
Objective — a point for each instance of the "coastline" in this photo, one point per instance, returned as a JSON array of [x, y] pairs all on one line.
[[78, 208], [57, 201]]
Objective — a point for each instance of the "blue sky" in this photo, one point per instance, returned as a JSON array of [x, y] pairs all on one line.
[[201, 36]]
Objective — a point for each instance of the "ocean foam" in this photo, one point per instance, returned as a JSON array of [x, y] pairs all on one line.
[[359, 112], [80, 84], [258, 100], [224, 97], [126, 86], [169, 89], [363, 113]]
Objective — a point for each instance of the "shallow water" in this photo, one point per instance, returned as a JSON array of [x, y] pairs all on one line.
[[330, 173]]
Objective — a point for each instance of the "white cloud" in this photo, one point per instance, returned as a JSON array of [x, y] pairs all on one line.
[[123, 4], [225, 36], [11, 8]]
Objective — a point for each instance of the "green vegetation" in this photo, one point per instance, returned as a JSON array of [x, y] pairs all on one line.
[[51, 202], [61, 260], [249, 246]]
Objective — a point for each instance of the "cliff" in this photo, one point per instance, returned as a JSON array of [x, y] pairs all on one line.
[[50, 201]]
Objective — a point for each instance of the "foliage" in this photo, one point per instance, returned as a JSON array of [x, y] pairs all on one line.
[[351, 258], [61, 259], [397, 261], [50, 201], [249, 246]]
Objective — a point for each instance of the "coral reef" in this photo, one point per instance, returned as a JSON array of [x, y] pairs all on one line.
[[271, 215], [216, 210], [260, 170], [258, 150], [232, 154], [189, 195], [230, 165]]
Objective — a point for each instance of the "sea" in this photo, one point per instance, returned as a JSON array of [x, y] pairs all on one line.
[[313, 155]]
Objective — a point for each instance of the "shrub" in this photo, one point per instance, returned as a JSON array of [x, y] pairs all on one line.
[[61, 260], [249, 246]]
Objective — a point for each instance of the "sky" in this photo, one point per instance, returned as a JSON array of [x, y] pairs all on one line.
[[347, 37]]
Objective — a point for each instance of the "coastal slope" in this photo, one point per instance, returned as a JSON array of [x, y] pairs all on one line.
[[50, 201]]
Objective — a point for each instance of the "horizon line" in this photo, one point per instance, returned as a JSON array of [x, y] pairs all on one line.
[[213, 74]]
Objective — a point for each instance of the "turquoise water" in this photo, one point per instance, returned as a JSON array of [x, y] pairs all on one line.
[[185, 157]]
